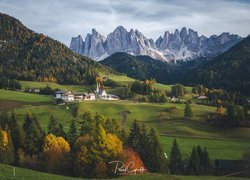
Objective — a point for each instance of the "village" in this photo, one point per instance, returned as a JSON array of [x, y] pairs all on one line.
[[63, 96]]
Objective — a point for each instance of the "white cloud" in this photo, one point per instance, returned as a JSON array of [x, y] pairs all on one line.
[[62, 19]]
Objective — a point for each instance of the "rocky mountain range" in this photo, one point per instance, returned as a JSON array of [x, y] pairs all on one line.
[[185, 44]]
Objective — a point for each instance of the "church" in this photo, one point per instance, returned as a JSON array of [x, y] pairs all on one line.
[[101, 93]]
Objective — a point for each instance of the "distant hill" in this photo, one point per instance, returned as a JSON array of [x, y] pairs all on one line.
[[145, 67], [26, 55], [231, 70], [140, 67]]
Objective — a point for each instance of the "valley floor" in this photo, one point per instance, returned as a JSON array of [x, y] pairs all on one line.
[[167, 118]]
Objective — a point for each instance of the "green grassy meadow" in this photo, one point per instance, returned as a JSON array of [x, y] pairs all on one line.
[[224, 143], [23, 97], [117, 78], [217, 148], [43, 112], [37, 84], [7, 172]]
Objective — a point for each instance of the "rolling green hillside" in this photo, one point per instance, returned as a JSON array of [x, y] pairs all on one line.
[[37, 84], [141, 67], [26, 55], [145, 67], [23, 97], [168, 120]]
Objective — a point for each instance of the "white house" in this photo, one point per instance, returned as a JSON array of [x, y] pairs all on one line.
[[64, 95], [91, 96]]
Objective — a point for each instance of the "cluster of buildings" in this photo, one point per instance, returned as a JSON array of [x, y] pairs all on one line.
[[68, 96]]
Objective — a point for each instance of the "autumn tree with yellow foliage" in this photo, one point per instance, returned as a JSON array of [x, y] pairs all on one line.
[[6, 148], [55, 150], [95, 151]]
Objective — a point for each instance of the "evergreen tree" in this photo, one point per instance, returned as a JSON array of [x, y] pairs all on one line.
[[206, 163], [53, 126], [86, 128], [4, 119], [145, 149], [194, 162], [158, 160], [112, 126], [61, 132], [201, 157], [72, 134], [175, 159], [12, 121], [99, 147], [188, 113], [18, 137], [134, 136], [123, 135], [33, 135], [87, 124]]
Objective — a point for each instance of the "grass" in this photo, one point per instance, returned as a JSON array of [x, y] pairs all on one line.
[[7, 172], [173, 177], [23, 97], [37, 84], [217, 148], [166, 87], [118, 78], [168, 120], [62, 113]]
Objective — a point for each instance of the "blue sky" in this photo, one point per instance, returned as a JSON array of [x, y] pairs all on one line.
[[62, 19]]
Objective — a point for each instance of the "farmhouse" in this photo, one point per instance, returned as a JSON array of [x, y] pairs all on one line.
[[64, 95], [90, 96]]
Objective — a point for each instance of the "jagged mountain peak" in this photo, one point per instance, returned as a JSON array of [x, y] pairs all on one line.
[[94, 32], [120, 29], [176, 32], [183, 44]]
